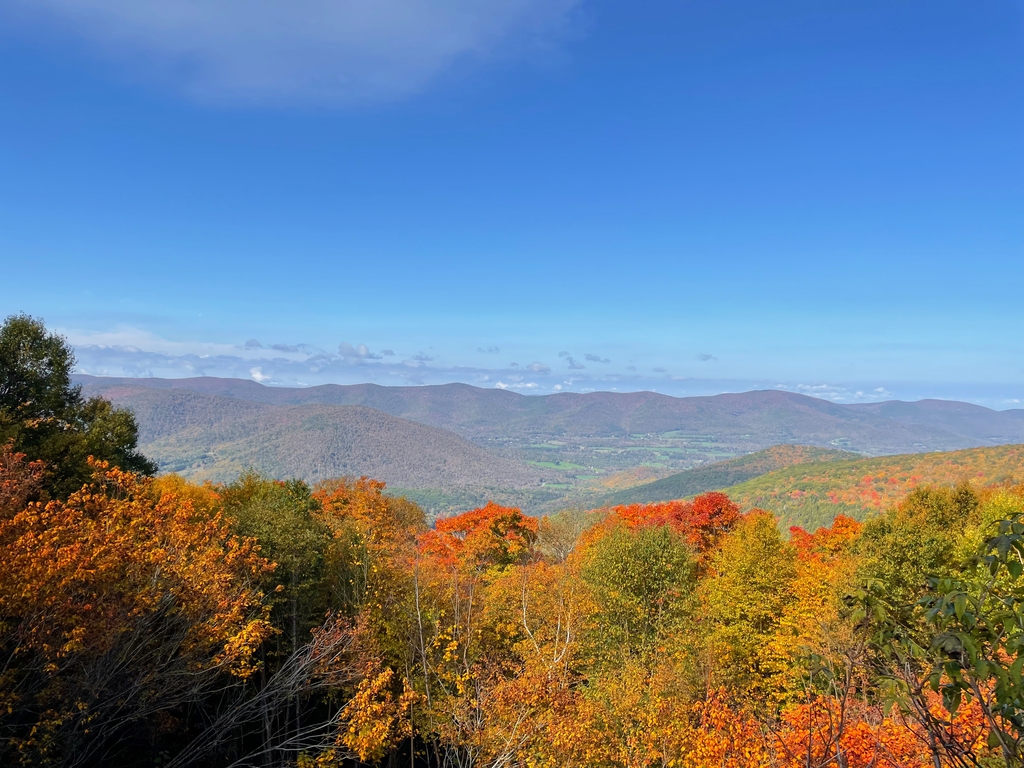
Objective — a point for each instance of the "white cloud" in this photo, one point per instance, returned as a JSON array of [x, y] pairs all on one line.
[[527, 385], [258, 375], [306, 50]]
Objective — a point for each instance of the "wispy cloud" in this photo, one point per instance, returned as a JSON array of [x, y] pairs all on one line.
[[704, 357], [357, 352], [571, 362], [839, 393], [596, 358], [304, 50]]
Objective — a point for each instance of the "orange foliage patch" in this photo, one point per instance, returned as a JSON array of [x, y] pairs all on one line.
[[702, 521], [489, 535], [825, 543]]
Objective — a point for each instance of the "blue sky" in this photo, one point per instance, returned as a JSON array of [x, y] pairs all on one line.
[[544, 195]]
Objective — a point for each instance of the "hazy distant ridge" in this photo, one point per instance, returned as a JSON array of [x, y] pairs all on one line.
[[761, 418]]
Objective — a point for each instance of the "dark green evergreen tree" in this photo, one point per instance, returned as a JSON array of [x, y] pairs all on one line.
[[46, 417]]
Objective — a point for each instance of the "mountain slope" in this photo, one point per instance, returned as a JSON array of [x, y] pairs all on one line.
[[206, 436], [813, 494], [746, 422], [723, 473]]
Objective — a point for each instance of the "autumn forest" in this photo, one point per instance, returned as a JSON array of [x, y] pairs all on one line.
[[147, 620]]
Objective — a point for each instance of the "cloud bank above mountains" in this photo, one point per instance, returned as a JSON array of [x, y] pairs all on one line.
[[135, 353], [334, 51]]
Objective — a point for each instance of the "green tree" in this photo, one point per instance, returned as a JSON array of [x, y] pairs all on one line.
[[641, 580], [963, 638], [281, 516], [46, 417], [918, 538]]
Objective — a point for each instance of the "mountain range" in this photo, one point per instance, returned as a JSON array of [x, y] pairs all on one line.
[[772, 415], [442, 440]]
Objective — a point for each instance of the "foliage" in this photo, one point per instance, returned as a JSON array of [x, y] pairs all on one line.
[[45, 417], [117, 605], [962, 638], [743, 599], [634, 607]]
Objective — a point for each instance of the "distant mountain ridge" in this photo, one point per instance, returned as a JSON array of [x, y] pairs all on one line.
[[752, 420], [454, 444]]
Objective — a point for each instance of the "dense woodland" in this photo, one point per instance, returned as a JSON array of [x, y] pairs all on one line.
[[151, 621]]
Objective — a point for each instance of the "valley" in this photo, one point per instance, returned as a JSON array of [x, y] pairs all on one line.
[[452, 447]]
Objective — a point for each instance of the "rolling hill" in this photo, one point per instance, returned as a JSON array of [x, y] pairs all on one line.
[[206, 436], [722, 474], [810, 495]]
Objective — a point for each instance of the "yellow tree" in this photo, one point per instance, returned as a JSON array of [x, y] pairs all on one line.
[[742, 601]]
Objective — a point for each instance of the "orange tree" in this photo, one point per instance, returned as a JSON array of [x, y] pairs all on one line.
[[369, 576], [458, 562], [117, 606]]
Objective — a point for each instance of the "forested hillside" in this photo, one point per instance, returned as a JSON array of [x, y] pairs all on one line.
[[810, 495], [209, 437], [722, 474]]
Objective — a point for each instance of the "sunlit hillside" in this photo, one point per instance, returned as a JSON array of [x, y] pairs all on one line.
[[810, 495]]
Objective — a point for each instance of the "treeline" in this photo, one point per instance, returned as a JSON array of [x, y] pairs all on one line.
[[154, 622]]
